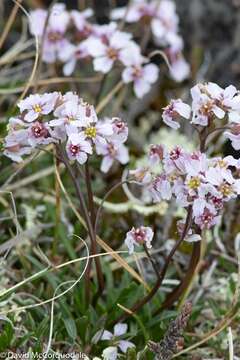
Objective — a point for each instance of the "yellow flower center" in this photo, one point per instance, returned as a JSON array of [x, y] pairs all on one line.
[[37, 108], [225, 189], [91, 132], [194, 183]]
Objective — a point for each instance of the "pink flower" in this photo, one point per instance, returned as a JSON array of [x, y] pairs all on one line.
[[16, 145], [224, 97], [78, 148], [54, 40], [174, 111], [180, 69], [195, 163], [139, 236], [111, 152], [97, 132], [225, 183], [160, 188], [175, 161], [37, 105], [142, 77], [208, 218], [39, 134], [106, 53]]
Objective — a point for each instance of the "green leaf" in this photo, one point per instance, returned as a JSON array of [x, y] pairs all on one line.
[[6, 336], [70, 327]]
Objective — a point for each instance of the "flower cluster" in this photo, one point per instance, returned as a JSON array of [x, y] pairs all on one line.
[[193, 179], [56, 118], [210, 102], [163, 20], [68, 36]]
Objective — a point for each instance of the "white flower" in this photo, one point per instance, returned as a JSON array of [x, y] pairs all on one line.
[[111, 352], [37, 105]]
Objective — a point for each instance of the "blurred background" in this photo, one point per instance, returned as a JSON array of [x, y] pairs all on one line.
[[210, 28]]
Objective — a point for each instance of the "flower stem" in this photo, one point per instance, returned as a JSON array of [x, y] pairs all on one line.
[[139, 304], [94, 249], [178, 291], [85, 213], [154, 265]]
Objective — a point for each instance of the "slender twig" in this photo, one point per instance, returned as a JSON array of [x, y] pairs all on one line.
[[154, 265]]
